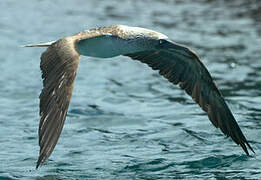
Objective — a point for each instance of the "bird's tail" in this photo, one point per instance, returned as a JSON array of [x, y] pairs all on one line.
[[46, 44]]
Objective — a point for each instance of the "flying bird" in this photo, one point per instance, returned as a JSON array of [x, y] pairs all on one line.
[[177, 63]]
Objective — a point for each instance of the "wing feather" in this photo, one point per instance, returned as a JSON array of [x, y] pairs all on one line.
[[182, 66], [59, 64]]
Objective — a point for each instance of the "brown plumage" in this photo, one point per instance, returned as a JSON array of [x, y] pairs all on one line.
[[59, 64], [177, 63]]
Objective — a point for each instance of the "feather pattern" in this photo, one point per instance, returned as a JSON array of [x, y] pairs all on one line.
[[59, 64], [183, 67]]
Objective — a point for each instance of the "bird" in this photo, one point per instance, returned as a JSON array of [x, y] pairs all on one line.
[[177, 63]]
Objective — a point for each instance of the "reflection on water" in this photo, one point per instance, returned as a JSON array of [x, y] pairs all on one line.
[[124, 119]]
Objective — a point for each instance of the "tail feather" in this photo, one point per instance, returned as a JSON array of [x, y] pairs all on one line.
[[45, 44]]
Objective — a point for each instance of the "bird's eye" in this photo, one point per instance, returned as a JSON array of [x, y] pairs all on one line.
[[161, 43]]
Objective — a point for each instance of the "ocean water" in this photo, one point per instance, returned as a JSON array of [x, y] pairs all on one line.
[[124, 120]]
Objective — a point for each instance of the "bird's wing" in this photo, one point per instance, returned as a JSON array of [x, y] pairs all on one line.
[[59, 64], [182, 66]]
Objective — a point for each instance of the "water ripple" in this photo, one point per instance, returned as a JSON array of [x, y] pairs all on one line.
[[126, 121]]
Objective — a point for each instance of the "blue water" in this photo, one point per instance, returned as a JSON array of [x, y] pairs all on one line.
[[125, 121]]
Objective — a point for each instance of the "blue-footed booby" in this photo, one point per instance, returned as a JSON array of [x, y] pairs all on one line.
[[177, 63]]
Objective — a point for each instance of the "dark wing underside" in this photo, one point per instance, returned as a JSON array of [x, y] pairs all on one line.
[[59, 64], [181, 66]]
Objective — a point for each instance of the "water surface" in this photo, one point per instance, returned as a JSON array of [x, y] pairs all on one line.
[[125, 121]]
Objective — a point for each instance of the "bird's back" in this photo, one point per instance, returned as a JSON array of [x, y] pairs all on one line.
[[110, 41]]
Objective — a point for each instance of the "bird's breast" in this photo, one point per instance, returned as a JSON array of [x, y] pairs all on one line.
[[107, 46]]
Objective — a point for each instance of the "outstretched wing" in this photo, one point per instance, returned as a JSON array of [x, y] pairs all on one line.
[[181, 66], [59, 64]]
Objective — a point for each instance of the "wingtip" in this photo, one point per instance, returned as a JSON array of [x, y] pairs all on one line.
[[250, 147], [38, 164], [244, 146]]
